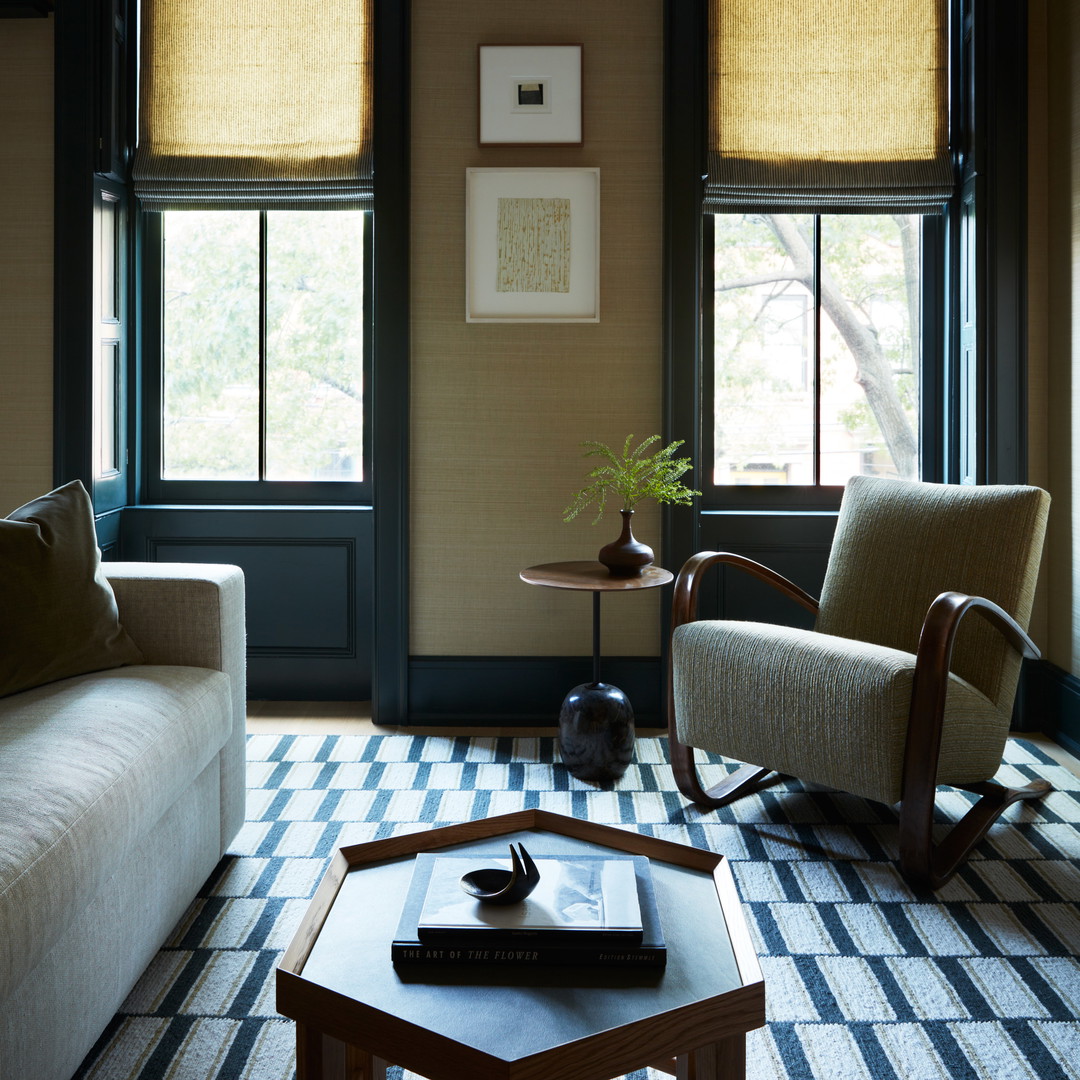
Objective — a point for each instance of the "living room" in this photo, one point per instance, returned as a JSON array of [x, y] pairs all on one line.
[[492, 416]]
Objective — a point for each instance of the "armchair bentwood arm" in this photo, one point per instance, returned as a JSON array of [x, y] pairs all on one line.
[[896, 690]]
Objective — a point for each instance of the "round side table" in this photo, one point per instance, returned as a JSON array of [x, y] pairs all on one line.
[[596, 721]]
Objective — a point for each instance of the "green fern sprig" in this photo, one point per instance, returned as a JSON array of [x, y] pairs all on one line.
[[632, 475]]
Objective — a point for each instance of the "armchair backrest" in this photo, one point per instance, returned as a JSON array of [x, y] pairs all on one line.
[[899, 544]]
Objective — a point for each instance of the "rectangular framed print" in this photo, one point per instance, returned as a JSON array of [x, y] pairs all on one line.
[[530, 95], [532, 245]]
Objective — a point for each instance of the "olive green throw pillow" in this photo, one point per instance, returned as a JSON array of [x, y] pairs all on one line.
[[58, 613]]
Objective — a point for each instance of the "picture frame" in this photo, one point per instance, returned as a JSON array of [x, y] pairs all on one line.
[[530, 95], [532, 245]]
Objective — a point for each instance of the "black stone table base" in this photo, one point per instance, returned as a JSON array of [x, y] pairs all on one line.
[[596, 732], [596, 722]]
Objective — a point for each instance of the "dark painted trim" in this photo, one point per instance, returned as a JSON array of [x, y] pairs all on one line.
[[1001, 162], [933, 342], [1049, 701], [526, 691], [390, 367], [73, 230], [685, 41], [684, 166], [107, 527]]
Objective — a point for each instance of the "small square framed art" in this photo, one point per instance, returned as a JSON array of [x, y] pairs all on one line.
[[530, 95]]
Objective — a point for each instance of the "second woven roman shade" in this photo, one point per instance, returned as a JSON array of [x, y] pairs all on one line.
[[831, 105]]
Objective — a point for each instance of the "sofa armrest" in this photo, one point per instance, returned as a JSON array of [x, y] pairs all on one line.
[[181, 613], [192, 614]]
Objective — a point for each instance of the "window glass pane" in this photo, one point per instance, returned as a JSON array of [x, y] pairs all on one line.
[[869, 346], [105, 409], [109, 254], [765, 398], [314, 345], [210, 366], [764, 349]]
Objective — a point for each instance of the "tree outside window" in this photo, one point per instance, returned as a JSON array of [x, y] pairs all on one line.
[[263, 350], [816, 347]]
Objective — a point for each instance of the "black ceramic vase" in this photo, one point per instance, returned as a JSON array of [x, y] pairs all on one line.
[[627, 556], [596, 732]]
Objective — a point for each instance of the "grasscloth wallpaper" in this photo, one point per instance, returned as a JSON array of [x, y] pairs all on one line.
[[498, 410], [26, 259]]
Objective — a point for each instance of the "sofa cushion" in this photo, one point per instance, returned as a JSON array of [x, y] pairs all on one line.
[[87, 766], [58, 614]]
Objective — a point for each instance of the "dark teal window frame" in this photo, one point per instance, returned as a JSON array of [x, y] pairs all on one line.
[[155, 488]]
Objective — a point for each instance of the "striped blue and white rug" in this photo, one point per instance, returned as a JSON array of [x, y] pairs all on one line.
[[863, 978]]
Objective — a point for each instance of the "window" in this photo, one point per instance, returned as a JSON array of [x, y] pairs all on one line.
[[263, 345], [812, 347], [748, 372], [254, 175], [309, 547], [827, 172]]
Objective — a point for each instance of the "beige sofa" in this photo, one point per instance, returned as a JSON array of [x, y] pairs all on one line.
[[119, 792]]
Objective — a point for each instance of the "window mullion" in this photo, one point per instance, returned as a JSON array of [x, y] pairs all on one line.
[[263, 396], [817, 350]]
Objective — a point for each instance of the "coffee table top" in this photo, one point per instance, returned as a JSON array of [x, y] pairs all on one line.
[[592, 576], [518, 1023]]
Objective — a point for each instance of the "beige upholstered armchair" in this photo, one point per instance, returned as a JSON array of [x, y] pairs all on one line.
[[894, 691]]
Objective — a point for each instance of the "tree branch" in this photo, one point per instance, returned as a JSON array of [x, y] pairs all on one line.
[[794, 274], [872, 368]]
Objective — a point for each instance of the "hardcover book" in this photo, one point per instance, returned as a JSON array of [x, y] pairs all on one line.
[[576, 895], [565, 927]]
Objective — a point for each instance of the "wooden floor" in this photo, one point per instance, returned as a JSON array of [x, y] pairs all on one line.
[[354, 718]]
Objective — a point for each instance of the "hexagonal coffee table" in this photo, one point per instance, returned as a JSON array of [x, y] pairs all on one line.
[[355, 1011]]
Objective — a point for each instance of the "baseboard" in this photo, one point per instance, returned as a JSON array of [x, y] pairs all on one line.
[[527, 691], [1049, 701]]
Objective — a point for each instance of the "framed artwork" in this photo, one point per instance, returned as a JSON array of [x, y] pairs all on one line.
[[532, 245], [530, 95]]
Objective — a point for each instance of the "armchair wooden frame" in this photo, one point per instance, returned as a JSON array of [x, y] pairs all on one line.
[[921, 861]]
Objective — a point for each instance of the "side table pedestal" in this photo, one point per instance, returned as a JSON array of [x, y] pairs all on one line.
[[596, 732], [596, 722]]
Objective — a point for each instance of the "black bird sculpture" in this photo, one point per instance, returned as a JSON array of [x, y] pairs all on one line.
[[504, 886]]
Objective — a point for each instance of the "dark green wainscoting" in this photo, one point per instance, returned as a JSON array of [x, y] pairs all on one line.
[[309, 586]]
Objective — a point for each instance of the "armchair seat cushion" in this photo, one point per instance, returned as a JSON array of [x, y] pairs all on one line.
[[826, 709]]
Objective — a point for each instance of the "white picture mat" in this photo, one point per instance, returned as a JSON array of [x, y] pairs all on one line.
[[501, 67], [483, 189]]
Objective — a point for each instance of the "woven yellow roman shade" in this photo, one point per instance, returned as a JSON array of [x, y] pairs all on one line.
[[830, 105], [254, 103]]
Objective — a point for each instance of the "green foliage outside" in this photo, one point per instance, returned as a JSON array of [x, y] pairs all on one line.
[[314, 345], [763, 343], [632, 475]]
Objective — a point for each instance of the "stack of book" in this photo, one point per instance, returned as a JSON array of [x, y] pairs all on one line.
[[587, 910]]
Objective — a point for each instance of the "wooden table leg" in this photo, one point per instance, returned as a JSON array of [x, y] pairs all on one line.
[[723, 1060], [309, 1055], [320, 1057]]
